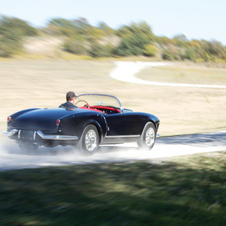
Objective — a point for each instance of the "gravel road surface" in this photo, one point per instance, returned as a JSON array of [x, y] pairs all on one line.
[[11, 156], [125, 72]]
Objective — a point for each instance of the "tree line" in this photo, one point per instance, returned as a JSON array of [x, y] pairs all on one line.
[[135, 39]]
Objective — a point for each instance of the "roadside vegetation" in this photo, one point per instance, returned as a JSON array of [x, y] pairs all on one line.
[[79, 38], [188, 190]]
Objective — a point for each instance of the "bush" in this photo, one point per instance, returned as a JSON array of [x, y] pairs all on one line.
[[9, 46], [205, 56], [11, 32], [133, 45], [98, 50], [150, 50], [75, 46], [166, 55], [190, 54]]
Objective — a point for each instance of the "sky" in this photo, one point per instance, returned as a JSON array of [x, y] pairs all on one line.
[[196, 19]]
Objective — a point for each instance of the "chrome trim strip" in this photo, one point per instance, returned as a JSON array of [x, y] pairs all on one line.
[[123, 136], [55, 137], [34, 135], [10, 133], [19, 134]]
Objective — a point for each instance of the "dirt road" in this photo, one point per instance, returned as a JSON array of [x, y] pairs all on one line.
[[125, 71], [12, 158]]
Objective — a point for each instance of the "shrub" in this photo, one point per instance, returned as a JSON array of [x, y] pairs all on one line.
[[166, 55], [11, 32], [205, 56], [9, 46], [133, 45], [98, 50], [75, 46], [190, 54], [150, 50]]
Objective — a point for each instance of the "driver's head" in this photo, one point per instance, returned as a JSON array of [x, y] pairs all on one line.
[[70, 96]]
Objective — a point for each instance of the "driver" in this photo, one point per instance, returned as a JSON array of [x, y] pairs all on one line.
[[69, 105]]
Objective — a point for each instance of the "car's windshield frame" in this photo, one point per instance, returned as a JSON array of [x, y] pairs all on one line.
[[104, 95]]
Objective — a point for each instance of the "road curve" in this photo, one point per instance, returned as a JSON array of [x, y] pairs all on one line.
[[125, 72]]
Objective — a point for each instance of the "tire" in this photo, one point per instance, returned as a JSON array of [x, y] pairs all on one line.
[[148, 137], [28, 147], [89, 141]]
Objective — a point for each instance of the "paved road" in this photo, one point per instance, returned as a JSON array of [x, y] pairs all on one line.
[[12, 158]]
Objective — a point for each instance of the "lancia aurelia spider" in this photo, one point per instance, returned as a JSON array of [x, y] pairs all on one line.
[[99, 119]]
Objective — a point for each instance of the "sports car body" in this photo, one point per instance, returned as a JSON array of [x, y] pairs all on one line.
[[100, 119]]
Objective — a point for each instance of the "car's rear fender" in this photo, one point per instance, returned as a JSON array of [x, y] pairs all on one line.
[[22, 112], [101, 127], [75, 126], [15, 115]]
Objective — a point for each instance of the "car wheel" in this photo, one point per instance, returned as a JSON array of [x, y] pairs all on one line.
[[28, 147], [147, 138], [89, 141]]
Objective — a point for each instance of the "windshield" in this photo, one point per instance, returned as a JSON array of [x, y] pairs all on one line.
[[98, 100]]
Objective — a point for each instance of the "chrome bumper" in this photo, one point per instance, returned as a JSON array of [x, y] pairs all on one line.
[[42, 135], [11, 133], [55, 137]]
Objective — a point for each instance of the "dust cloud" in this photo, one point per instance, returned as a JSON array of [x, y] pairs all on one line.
[[11, 157]]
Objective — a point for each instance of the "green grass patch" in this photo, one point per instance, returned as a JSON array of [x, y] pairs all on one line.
[[189, 190]]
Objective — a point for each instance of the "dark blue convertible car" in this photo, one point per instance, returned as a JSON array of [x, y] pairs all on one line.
[[99, 119]]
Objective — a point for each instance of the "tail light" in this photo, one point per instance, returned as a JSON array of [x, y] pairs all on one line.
[[57, 122], [9, 119]]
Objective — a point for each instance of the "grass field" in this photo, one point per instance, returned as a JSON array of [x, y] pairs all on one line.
[[182, 73], [43, 83], [188, 190]]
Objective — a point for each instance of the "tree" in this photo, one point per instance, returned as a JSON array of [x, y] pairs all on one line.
[[142, 29], [190, 54], [181, 40], [61, 26], [82, 26], [106, 29], [163, 40], [11, 32], [19, 26], [133, 45]]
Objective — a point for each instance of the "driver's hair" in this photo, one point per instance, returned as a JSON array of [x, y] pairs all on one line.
[[70, 95]]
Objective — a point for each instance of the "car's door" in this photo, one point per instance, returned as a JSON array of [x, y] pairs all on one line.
[[121, 128], [126, 124], [118, 124]]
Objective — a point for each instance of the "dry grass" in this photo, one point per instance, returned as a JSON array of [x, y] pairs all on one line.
[[188, 110], [32, 83]]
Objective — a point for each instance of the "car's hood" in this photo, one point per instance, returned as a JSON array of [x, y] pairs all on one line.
[[41, 119]]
